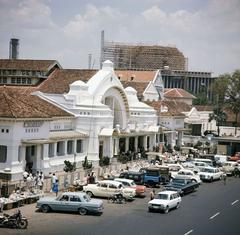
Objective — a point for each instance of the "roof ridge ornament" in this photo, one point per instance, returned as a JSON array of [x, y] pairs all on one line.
[[107, 65]]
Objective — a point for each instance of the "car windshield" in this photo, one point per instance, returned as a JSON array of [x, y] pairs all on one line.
[[178, 181], [162, 196], [208, 170], [132, 184], [86, 198]]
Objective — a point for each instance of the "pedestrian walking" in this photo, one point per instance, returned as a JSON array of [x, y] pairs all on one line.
[[152, 194], [40, 182], [55, 187], [224, 179]]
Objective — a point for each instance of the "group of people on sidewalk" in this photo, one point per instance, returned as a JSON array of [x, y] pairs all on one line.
[[33, 180]]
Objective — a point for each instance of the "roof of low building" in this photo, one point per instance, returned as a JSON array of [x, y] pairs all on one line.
[[135, 75], [24, 64], [17, 102], [177, 93], [58, 82], [207, 108], [138, 86], [174, 108]]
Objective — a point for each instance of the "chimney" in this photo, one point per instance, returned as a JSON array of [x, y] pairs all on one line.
[[14, 48]]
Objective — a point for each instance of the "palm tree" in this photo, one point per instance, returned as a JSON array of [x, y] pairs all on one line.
[[219, 116]]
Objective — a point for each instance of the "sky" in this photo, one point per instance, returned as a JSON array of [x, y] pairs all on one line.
[[207, 32]]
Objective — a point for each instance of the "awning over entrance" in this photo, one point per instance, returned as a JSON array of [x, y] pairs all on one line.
[[55, 136], [154, 129], [59, 135], [106, 132]]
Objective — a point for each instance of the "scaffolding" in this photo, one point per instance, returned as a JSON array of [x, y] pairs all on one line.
[[142, 57]]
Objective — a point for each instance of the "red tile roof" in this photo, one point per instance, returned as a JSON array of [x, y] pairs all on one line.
[[177, 93], [175, 108], [135, 76], [207, 108], [58, 82], [17, 102], [138, 86], [19, 64]]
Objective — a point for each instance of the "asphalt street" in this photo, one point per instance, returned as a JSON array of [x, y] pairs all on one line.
[[212, 210]]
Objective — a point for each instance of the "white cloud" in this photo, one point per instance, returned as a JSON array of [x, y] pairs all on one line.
[[208, 36]]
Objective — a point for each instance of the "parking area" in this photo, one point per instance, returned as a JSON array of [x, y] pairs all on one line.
[[213, 209]]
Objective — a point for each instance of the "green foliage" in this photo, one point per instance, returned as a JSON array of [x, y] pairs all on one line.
[[227, 93], [86, 164], [123, 158], [177, 148], [198, 144], [104, 161], [69, 167]]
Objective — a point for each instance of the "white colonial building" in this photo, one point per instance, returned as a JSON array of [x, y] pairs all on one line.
[[70, 115]]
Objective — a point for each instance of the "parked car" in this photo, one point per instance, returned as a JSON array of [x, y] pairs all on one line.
[[229, 167], [107, 188], [140, 189], [236, 157], [164, 201], [187, 174], [182, 186], [220, 159], [70, 201], [210, 174], [138, 177]]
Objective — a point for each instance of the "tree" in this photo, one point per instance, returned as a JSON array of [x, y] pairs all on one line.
[[232, 99], [219, 116], [69, 167], [227, 95], [86, 164]]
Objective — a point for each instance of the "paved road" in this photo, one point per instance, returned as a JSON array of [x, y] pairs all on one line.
[[213, 209]]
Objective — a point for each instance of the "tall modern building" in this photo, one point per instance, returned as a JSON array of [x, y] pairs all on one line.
[[191, 81], [141, 57]]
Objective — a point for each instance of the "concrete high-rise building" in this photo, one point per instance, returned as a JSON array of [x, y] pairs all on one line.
[[14, 48]]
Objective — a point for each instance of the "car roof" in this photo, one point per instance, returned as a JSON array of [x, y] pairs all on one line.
[[110, 182], [123, 180], [74, 193], [168, 192]]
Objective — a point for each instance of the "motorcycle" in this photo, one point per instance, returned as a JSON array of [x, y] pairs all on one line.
[[117, 198], [15, 220]]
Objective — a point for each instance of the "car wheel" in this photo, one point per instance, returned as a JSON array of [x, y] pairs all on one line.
[[90, 194], [124, 200], [149, 210], [45, 208], [177, 206], [82, 211], [166, 210], [194, 181]]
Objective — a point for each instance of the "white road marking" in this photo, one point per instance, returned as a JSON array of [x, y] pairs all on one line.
[[214, 215], [234, 202], [190, 231]]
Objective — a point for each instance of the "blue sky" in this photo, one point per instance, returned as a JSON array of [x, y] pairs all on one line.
[[206, 31]]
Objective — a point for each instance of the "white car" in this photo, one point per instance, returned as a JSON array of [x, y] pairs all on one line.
[[107, 188], [164, 201], [210, 174], [229, 167], [187, 174]]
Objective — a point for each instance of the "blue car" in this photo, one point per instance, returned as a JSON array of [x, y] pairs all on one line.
[[71, 201]]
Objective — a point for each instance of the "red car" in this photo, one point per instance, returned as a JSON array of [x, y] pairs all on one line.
[[140, 189], [236, 157]]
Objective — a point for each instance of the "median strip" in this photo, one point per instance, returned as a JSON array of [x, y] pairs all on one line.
[[214, 215], [234, 202], [190, 231]]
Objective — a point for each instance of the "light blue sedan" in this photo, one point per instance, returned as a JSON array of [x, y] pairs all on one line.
[[71, 201]]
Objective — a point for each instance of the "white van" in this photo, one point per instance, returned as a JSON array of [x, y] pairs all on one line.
[[208, 161], [220, 159]]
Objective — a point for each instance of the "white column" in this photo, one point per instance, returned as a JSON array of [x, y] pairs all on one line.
[[45, 151], [55, 149], [116, 146], [152, 141], [38, 158], [64, 148], [136, 143], [145, 142], [75, 146], [126, 144]]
